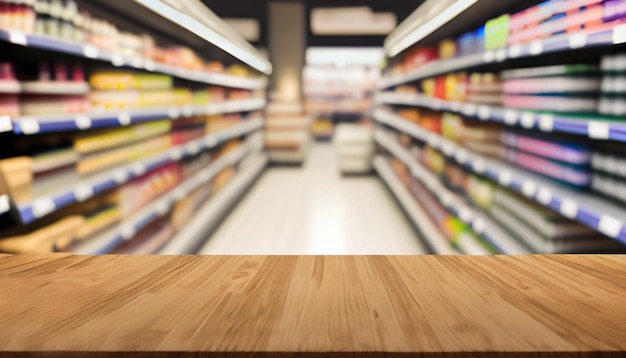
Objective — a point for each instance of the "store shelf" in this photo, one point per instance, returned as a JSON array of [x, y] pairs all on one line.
[[416, 213], [10, 86], [482, 225], [546, 122], [194, 234], [55, 87], [119, 60], [591, 210], [104, 243], [562, 42], [87, 188], [29, 125]]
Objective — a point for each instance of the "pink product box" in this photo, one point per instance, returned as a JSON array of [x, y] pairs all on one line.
[[552, 103], [547, 149], [549, 168]]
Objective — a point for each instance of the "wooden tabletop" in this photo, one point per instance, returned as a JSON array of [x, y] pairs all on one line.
[[63, 305]]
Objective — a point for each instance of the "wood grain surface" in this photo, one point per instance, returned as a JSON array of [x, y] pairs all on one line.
[[62, 305]]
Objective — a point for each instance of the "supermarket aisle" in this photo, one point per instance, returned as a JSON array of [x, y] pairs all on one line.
[[314, 210]]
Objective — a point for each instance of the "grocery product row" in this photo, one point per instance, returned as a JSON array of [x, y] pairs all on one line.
[[549, 27]]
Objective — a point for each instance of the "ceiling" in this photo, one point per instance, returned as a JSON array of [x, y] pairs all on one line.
[[258, 9]]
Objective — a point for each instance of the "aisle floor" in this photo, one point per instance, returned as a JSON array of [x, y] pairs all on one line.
[[313, 209]]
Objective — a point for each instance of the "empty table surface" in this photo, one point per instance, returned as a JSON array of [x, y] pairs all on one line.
[[319, 305]]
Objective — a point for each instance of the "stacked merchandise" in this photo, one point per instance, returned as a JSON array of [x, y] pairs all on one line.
[[287, 137], [354, 146], [67, 21]]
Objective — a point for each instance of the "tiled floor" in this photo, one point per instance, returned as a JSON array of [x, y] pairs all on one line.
[[314, 210]]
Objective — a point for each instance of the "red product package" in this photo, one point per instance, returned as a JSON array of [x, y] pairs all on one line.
[[440, 87]]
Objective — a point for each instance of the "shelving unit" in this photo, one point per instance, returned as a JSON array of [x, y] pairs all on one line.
[[484, 226], [434, 33], [200, 35]]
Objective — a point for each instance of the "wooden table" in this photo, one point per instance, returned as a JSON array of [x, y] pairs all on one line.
[[60, 305]]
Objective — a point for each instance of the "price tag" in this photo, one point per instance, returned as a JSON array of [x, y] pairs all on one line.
[[139, 169], [90, 51], [462, 155], [446, 199], [479, 226], [193, 148], [536, 48], [544, 196], [447, 148], [505, 178], [83, 122], [173, 113], [120, 176], [127, 232], [470, 109], [455, 106], [528, 120], [489, 56], [6, 125], [510, 117], [179, 194], [18, 38], [29, 126], [137, 62], [43, 207], [124, 118], [149, 65], [163, 208], [619, 34], [4, 204], [484, 112], [529, 188], [610, 226], [515, 51], [546, 122], [577, 40], [117, 60], [188, 111], [176, 154], [83, 192], [479, 166], [501, 55], [210, 141], [465, 215], [205, 176], [569, 208], [599, 130]]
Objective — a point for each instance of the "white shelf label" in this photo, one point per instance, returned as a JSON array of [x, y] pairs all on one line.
[[610, 226], [569, 208], [117, 60], [124, 118], [120, 176], [210, 141], [139, 169], [470, 109], [484, 112], [619, 34], [544, 196], [4, 204], [489, 56], [29, 126], [536, 48], [515, 51], [173, 113], [83, 122], [510, 116], [90, 51], [83, 192], [598, 130], [188, 111], [546, 122], [193, 148], [446, 199], [149, 65], [455, 106], [501, 55], [163, 208], [479, 226], [176, 154], [179, 193], [461, 155], [18, 38], [505, 178], [137, 62], [577, 40], [42, 207], [479, 166], [448, 148], [465, 215], [529, 188], [6, 125], [528, 120], [127, 232]]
